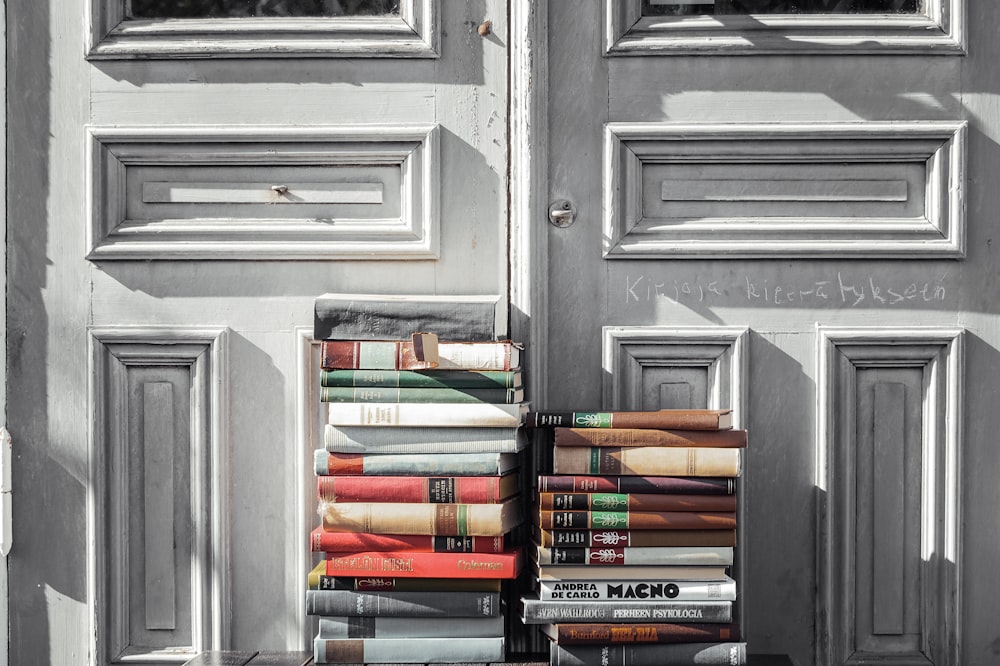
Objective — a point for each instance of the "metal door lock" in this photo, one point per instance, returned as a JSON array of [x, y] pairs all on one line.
[[562, 213]]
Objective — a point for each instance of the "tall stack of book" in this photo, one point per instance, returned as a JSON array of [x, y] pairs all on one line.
[[418, 490], [635, 537]]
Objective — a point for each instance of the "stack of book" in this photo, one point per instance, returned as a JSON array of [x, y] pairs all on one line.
[[418, 491], [635, 537]]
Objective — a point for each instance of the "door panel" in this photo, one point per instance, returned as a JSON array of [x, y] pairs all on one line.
[[792, 196], [190, 197]]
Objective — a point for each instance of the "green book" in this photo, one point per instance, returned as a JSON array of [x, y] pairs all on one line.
[[393, 394], [506, 379]]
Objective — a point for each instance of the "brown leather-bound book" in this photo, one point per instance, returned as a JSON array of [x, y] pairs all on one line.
[[637, 520], [598, 633], [668, 419], [634, 502], [649, 437], [646, 461], [597, 538]]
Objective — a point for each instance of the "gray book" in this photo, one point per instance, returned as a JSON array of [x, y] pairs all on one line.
[[380, 317], [403, 604], [422, 439], [535, 611]]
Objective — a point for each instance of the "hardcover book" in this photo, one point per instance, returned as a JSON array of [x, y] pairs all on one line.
[[637, 520], [417, 603], [409, 627], [415, 464], [440, 414], [409, 564], [421, 518], [402, 355], [374, 316], [647, 589], [537, 611], [646, 461], [599, 538], [429, 489], [616, 557], [665, 419], [721, 654], [420, 395], [318, 580], [422, 439], [408, 650], [649, 437], [435, 378], [674, 632], [634, 502], [343, 542], [584, 483], [582, 572]]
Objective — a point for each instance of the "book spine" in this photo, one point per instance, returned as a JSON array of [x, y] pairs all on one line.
[[402, 464], [676, 632], [420, 518], [344, 542], [721, 654], [586, 538], [320, 581], [634, 502], [633, 520], [610, 590], [403, 604], [646, 461], [402, 564], [649, 437], [681, 555], [429, 489], [504, 379], [382, 394], [409, 627], [664, 419], [418, 439], [439, 414], [371, 317], [408, 650], [571, 483], [536, 611], [400, 355]]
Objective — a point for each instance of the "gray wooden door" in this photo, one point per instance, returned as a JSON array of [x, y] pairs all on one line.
[[188, 184], [792, 215]]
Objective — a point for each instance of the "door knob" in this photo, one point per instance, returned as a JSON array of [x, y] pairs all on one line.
[[562, 213]]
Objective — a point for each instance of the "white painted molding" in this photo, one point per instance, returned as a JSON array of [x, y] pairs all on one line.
[[931, 223], [308, 433], [415, 33], [722, 351], [529, 188], [939, 30], [115, 353], [119, 156], [937, 354]]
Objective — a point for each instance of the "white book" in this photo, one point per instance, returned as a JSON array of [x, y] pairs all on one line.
[[439, 414], [651, 589], [416, 439]]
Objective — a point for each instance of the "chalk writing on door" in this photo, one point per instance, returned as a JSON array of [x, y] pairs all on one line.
[[835, 290]]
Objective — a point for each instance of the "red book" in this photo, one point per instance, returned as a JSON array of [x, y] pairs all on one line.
[[402, 355], [433, 489], [634, 502], [408, 564], [598, 634], [349, 542]]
